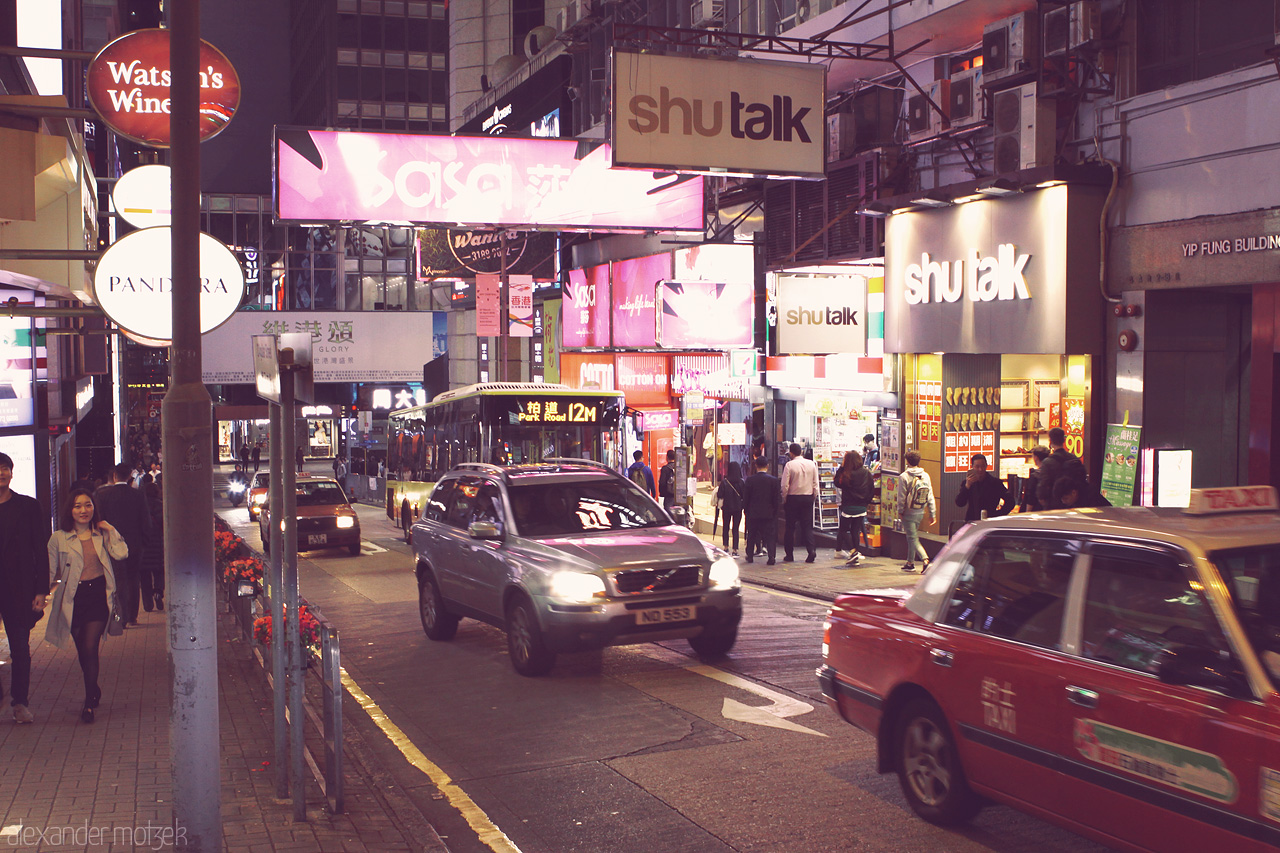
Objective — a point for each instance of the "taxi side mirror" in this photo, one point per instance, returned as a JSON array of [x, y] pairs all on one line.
[[1196, 666]]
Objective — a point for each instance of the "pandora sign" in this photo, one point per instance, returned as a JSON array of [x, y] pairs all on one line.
[[133, 283]]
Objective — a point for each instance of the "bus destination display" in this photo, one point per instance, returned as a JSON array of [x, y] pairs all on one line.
[[544, 411]]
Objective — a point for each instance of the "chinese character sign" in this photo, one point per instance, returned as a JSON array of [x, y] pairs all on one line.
[[520, 313]]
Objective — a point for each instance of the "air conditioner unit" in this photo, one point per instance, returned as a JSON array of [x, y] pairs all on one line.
[[964, 104], [1025, 131], [923, 119], [706, 13], [1065, 28], [803, 11], [842, 139], [1010, 47]]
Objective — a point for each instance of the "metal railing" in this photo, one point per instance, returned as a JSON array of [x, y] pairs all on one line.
[[329, 721]]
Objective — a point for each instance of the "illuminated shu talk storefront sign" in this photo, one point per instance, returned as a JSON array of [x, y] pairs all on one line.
[[474, 180], [993, 276]]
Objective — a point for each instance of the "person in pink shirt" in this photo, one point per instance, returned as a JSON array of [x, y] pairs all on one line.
[[799, 492]]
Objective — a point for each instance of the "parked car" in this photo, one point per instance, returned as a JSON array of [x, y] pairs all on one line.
[[567, 555], [325, 517], [259, 493], [1111, 670]]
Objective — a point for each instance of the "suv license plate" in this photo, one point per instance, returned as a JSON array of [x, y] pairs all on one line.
[[659, 615], [317, 539]]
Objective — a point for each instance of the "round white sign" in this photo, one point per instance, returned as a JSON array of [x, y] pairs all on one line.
[[142, 196], [134, 283]]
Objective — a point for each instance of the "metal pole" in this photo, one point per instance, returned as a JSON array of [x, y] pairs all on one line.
[[504, 311], [275, 544], [289, 570], [188, 481]]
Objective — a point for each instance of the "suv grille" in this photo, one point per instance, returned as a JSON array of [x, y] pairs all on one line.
[[633, 581]]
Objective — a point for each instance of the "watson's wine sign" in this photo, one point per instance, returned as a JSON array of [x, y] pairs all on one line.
[[128, 85], [133, 283]]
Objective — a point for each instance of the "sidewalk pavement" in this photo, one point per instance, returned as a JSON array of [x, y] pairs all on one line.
[[67, 785]]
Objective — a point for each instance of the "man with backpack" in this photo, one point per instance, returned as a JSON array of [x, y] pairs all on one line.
[[667, 482], [915, 496], [640, 473]]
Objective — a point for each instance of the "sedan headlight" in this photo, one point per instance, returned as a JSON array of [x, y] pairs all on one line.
[[345, 521], [576, 586], [724, 574]]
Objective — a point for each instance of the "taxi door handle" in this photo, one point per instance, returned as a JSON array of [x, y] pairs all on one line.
[[942, 657], [1082, 697]]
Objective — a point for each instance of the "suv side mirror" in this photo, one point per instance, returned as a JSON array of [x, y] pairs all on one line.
[[1200, 667], [484, 530]]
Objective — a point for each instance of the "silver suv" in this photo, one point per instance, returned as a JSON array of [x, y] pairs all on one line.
[[567, 555]]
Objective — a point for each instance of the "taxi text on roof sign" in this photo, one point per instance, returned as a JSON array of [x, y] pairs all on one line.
[[1233, 499]]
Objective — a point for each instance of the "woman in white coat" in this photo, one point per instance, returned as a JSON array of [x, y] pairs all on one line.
[[83, 585]]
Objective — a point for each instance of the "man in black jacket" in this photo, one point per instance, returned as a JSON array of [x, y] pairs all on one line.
[[761, 502], [125, 508], [980, 492], [1059, 463], [24, 580]]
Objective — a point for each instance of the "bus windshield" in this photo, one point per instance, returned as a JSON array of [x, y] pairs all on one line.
[[502, 423]]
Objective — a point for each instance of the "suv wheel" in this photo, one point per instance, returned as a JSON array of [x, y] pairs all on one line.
[[714, 642], [437, 622], [529, 653]]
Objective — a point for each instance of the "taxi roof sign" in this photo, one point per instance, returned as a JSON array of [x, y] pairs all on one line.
[[1233, 499]]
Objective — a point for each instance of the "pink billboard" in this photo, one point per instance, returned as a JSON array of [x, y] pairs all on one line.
[[635, 299], [324, 176], [584, 317], [705, 315]]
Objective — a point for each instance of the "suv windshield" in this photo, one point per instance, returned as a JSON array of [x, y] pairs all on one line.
[[1253, 576], [320, 494], [556, 508]]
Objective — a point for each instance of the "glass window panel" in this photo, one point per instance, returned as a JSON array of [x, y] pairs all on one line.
[[393, 7], [418, 111], [419, 60], [346, 80], [346, 31], [1014, 588], [371, 32], [1139, 605], [394, 110], [393, 59], [419, 10], [348, 56], [247, 202]]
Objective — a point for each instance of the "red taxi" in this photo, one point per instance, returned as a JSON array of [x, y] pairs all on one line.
[[1110, 670]]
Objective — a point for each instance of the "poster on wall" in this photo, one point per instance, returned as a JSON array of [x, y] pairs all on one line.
[[891, 446], [1120, 463], [22, 449], [705, 315], [960, 447], [488, 306]]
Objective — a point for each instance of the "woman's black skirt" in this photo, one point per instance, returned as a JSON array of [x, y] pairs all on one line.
[[90, 603]]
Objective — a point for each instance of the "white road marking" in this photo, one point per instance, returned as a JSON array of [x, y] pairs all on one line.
[[774, 715]]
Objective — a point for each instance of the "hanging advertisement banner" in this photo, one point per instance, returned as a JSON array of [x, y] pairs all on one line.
[[705, 114], [350, 346], [634, 284], [586, 310], [822, 314], [520, 313], [128, 86], [537, 184], [488, 306], [705, 315], [1120, 463]]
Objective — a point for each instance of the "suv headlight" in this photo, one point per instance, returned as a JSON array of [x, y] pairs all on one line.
[[724, 574], [576, 587]]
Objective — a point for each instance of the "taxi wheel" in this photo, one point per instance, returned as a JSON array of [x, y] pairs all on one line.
[[525, 644], [437, 623], [929, 767]]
